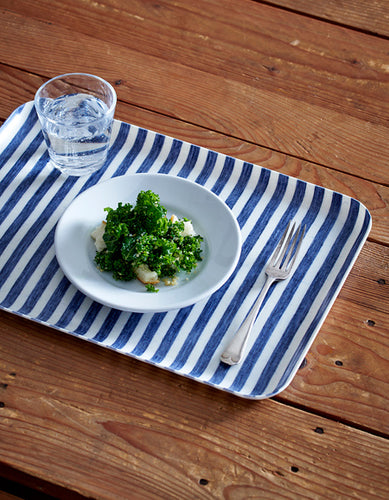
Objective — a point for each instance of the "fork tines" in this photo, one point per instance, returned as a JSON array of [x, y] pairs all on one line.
[[290, 242]]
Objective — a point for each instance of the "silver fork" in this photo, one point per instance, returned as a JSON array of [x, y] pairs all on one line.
[[279, 268]]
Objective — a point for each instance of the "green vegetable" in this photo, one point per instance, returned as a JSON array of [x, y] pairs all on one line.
[[142, 234]]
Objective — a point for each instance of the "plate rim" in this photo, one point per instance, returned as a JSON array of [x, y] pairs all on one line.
[[148, 178]]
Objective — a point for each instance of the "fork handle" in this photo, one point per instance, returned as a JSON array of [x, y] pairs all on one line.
[[235, 350]]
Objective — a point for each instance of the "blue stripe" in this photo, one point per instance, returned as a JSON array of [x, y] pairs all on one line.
[[24, 186], [262, 259], [48, 241], [172, 158], [127, 331], [113, 151], [207, 170], [132, 153], [149, 333], [107, 326], [250, 279], [26, 212], [31, 234], [77, 299], [40, 223], [240, 186], [313, 291], [88, 318], [190, 161], [171, 334], [217, 296], [224, 176], [55, 300], [153, 154], [40, 286]]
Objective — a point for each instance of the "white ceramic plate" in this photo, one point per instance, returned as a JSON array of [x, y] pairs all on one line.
[[210, 216]]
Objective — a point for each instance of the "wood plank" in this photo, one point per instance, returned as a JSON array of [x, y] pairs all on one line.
[[361, 14], [349, 361], [275, 109], [346, 368], [16, 87], [26, 487], [4, 495], [374, 196], [148, 428], [369, 279], [194, 33], [355, 334]]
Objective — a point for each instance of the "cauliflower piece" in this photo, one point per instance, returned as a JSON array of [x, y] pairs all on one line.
[[188, 229], [188, 226], [146, 275], [97, 235]]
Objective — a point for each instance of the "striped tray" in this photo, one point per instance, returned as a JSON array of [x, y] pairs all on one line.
[[188, 341]]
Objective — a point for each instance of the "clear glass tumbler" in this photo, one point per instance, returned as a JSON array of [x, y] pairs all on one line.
[[76, 113]]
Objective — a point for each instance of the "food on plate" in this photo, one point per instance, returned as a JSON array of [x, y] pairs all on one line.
[[142, 242]]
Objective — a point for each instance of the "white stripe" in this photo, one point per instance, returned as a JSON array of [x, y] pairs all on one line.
[[117, 330], [181, 158], [22, 147], [10, 129], [61, 307], [97, 322], [45, 295], [123, 151]]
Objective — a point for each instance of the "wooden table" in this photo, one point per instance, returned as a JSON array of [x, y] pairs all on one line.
[[300, 87]]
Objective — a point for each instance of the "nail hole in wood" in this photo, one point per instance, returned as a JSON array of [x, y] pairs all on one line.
[[319, 430], [203, 482], [338, 362], [294, 468]]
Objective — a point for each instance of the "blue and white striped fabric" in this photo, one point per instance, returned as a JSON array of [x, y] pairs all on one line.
[[188, 341]]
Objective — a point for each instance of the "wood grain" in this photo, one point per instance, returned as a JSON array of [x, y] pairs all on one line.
[[374, 196], [362, 14], [139, 435], [299, 87], [349, 361], [339, 119]]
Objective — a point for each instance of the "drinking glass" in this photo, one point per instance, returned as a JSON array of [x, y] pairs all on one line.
[[76, 114]]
